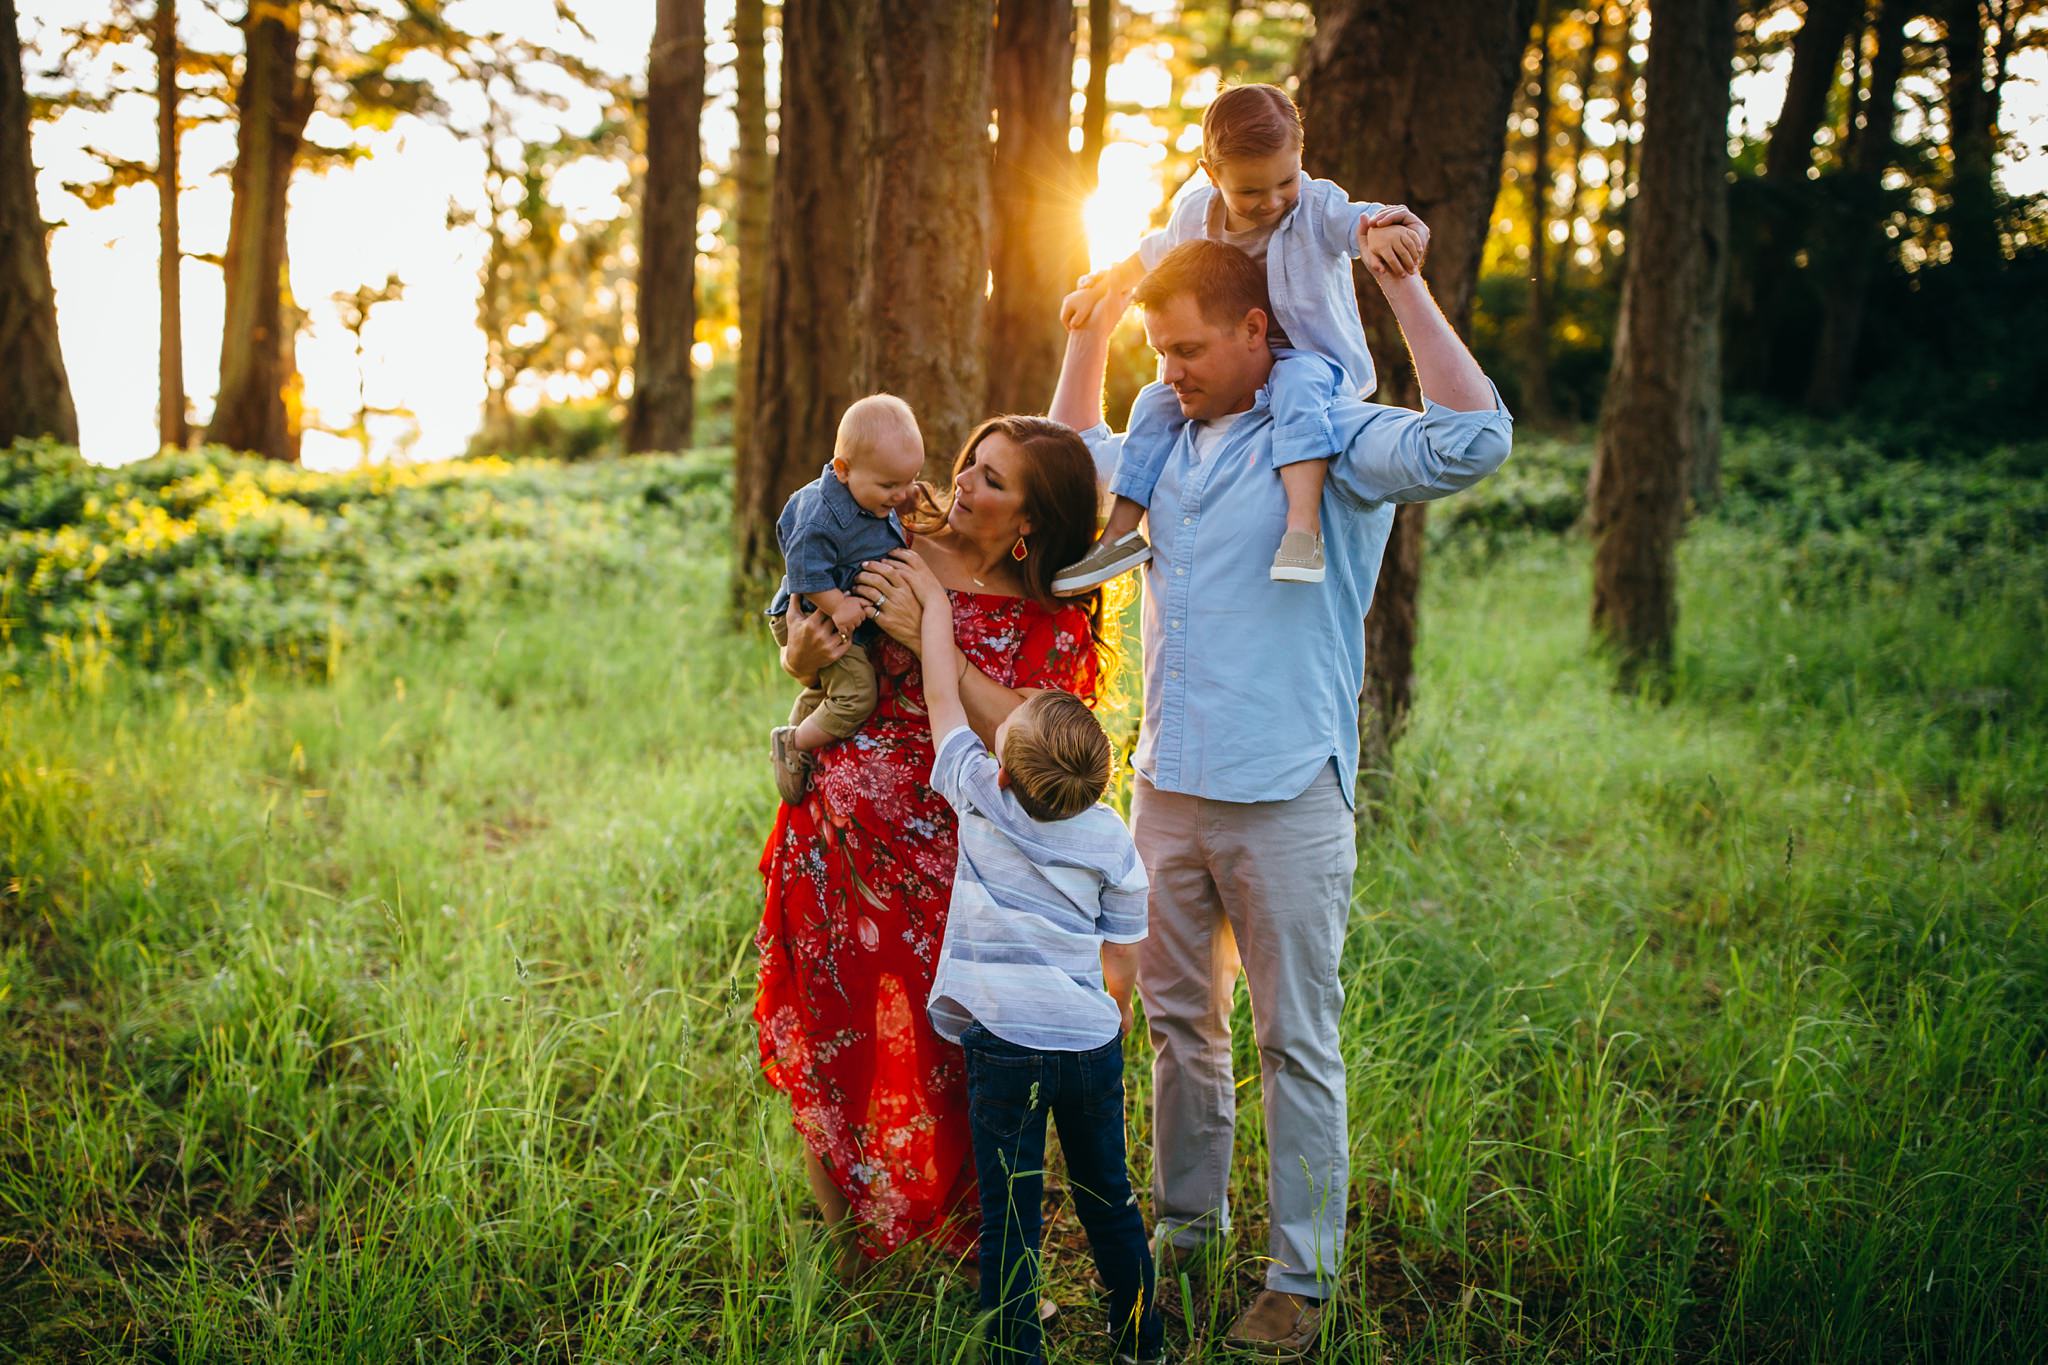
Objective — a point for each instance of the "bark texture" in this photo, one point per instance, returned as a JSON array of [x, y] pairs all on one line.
[[35, 393], [1409, 104], [804, 366], [1095, 103], [1758, 291], [1651, 420], [170, 295], [751, 172], [659, 418], [879, 271], [1037, 248], [925, 290], [1841, 323], [1973, 132], [272, 104]]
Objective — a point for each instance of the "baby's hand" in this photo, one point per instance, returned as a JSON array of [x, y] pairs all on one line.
[[850, 613]]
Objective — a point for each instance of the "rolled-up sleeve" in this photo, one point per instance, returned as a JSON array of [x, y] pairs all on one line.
[[1336, 220], [1392, 454], [811, 557], [1107, 447]]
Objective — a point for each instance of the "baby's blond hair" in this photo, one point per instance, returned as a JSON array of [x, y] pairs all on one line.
[[868, 420], [1057, 757]]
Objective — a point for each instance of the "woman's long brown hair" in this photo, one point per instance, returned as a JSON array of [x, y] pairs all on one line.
[[1060, 500]]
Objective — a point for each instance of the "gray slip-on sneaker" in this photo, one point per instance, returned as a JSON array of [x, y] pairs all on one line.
[[1107, 559], [1300, 559], [792, 765]]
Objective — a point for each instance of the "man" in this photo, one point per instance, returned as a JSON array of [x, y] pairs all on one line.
[[1249, 745]]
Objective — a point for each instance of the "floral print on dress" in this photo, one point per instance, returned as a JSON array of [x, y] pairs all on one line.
[[858, 881]]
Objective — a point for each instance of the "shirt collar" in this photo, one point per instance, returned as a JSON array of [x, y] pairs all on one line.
[[839, 498]]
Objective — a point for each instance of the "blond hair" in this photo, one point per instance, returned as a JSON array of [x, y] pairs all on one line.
[[1057, 757], [868, 420]]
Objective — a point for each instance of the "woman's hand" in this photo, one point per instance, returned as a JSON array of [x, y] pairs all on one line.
[[897, 589], [813, 642]]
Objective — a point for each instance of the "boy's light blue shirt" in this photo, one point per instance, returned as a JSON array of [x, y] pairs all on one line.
[[1308, 268], [1251, 686]]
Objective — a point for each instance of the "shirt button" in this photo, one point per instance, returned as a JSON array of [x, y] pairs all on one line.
[[1187, 521], [1176, 625], [1173, 673], [1180, 571]]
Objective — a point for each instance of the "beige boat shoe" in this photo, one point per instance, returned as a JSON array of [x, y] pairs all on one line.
[[1278, 1326], [792, 765], [1300, 559]]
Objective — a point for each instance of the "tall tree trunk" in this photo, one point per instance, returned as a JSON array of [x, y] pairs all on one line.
[[1535, 403], [1037, 247], [926, 201], [1756, 306], [272, 106], [35, 393], [170, 310], [751, 171], [810, 343], [1095, 104], [1650, 421], [1842, 307], [1973, 141], [659, 418], [1409, 104]]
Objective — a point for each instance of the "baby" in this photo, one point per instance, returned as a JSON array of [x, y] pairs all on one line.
[[1034, 982], [829, 527], [1305, 233]]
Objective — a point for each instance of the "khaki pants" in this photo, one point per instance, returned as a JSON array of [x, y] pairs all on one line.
[[845, 694], [1263, 888]]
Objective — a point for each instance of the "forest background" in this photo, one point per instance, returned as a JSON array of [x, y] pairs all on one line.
[[380, 704]]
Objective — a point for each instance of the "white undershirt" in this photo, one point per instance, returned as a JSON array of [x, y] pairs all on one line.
[[1208, 435]]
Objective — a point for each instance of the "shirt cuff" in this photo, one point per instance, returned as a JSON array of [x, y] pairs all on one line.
[[1452, 430]]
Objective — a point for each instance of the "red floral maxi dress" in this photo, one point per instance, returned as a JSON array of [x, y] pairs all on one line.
[[859, 878]]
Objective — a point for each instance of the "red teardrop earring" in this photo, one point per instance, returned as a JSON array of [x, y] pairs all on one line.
[[1020, 551]]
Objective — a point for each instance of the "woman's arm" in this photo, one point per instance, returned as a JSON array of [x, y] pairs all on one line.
[[902, 585]]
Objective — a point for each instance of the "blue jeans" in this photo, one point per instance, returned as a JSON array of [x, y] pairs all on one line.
[[1300, 391], [1010, 1091]]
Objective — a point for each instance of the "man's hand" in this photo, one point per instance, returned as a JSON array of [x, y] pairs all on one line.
[[1394, 215], [814, 641]]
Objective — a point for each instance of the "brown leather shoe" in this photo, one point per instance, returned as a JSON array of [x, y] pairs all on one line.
[[1278, 1326]]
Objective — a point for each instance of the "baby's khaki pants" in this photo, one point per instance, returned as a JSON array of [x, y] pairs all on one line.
[[845, 694]]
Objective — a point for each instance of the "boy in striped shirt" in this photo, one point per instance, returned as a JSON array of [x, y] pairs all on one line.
[[1034, 983]]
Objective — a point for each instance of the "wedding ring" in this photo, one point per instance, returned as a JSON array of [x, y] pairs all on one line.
[[880, 602]]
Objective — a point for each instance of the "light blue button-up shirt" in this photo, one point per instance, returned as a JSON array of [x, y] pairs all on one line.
[[1308, 267], [1251, 686]]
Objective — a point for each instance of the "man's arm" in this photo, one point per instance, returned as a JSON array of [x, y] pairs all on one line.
[[1077, 401], [1462, 434], [1444, 370]]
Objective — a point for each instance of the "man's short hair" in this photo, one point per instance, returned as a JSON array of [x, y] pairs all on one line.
[[1057, 757], [1224, 282]]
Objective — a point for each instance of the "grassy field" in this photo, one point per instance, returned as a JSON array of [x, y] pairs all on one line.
[[376, 960]]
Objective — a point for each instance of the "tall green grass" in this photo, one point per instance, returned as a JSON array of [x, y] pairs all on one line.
[[399, 1008]]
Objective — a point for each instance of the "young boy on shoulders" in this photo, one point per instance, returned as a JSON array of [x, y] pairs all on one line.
[[1034, 982]]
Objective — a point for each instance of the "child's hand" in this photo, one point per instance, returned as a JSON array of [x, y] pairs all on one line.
[[1123, 1008], [1393, 252], [1077, 310], [851, 612]]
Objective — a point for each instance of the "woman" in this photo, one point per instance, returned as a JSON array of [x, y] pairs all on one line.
[[860, 874]]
